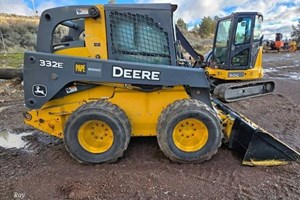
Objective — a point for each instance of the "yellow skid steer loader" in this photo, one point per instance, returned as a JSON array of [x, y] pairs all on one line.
[[117, 74]]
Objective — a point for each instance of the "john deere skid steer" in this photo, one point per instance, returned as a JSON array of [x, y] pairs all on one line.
[[117, 73]]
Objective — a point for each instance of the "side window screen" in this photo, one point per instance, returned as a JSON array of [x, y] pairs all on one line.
[[243, 31], [138, 38]]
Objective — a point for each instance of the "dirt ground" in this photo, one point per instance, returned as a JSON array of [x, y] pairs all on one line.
[[44, 169]]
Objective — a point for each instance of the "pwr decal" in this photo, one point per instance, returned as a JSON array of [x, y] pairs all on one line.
[[80, 68]]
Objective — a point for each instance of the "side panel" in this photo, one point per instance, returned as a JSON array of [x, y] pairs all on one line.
[[95, 35], [250, 74], [143, 110], [46, 74]]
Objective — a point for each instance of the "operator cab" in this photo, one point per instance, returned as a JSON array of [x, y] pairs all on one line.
[[237, 41]]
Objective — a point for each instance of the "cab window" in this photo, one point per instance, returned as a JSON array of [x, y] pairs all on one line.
[[243, 31]]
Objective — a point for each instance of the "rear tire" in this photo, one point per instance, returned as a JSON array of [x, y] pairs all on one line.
[[97, 132], [188, 131]]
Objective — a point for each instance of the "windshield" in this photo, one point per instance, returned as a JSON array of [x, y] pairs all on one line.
[[222, 42]]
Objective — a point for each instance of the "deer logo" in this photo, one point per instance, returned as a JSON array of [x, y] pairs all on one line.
[[39, 90]]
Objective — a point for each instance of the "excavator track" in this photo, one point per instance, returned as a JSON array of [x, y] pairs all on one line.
[[230, 92]]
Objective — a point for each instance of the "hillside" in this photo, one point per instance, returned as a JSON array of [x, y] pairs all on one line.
[[19, 34], [6, 19]]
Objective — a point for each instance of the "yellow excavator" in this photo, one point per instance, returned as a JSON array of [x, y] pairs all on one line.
[[118, 74], [234, 66]]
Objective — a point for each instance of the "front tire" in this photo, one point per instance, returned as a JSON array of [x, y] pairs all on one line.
[[188, 131]]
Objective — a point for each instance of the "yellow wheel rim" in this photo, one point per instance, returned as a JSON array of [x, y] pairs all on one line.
[[190, 135], [95, 136]]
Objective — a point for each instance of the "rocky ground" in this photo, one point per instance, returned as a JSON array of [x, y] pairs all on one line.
[[44, 170]]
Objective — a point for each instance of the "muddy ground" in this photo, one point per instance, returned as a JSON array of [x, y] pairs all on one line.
[[44, 170]]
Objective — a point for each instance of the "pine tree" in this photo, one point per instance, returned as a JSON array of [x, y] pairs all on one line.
[[296, 32], [181, 24], [207, 27]]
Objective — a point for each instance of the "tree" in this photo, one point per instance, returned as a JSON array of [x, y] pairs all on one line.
[[296, 32], [207, 27], [181, 24], [195, 29], [112, 1]]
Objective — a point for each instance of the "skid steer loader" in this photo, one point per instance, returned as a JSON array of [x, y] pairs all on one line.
[[234, 65], [117, 73]]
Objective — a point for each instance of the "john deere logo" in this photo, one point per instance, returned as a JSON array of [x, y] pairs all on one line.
[[80, 68], [39, 90]]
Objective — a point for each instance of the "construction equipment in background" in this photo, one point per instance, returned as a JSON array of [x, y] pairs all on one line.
[[278, 44], [118, 74], [292, 46], [234, 66]]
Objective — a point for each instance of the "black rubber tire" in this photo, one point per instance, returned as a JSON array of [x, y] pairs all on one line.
[[111, 115], [178, 111]]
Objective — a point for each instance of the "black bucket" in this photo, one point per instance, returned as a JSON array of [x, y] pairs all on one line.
[[253, 145]]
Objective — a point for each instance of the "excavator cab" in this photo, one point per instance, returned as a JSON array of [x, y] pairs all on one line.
[[234, 66], [237, 42], [237, 47]]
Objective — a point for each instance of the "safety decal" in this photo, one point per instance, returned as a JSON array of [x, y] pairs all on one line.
[[82, 11], [71, 89]]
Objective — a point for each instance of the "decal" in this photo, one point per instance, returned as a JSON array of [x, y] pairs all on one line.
[[71, 89], [94, 69], [51, 64], [80, 68], [235, 74], [119, 72], [39, 90], [82, 11]]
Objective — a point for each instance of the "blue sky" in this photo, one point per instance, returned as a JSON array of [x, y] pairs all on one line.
[[279, 15]]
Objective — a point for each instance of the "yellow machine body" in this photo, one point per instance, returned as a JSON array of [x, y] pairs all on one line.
[[249, 74], [142, 108], [95, 32]]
